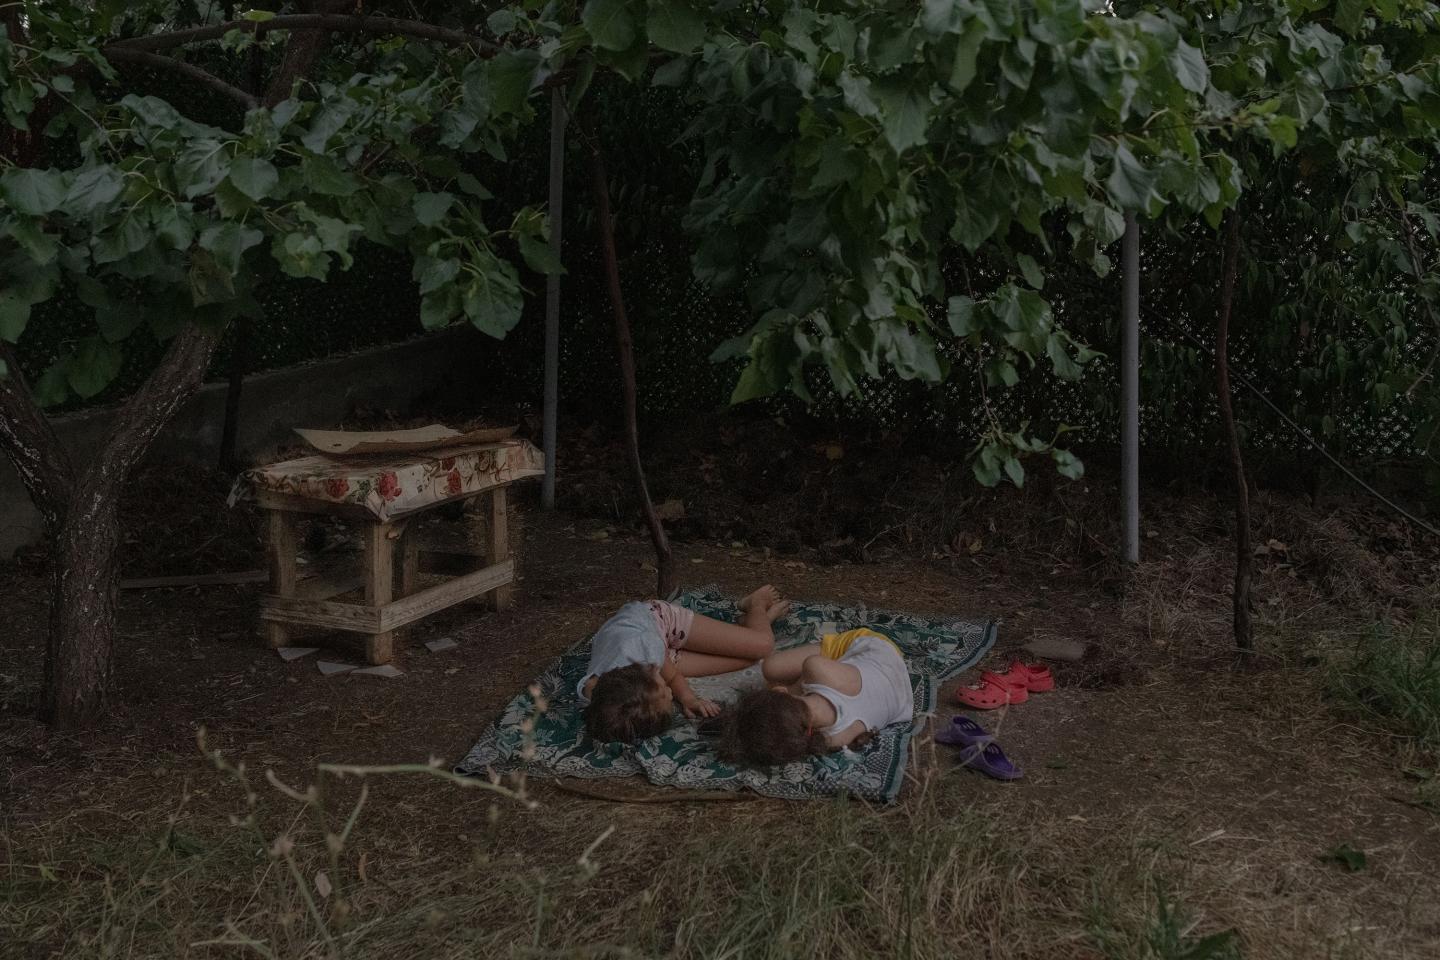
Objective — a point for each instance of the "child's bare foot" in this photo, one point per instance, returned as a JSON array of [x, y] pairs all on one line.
[[777, 609], [762, 599]]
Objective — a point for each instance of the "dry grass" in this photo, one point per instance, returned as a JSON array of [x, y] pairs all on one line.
[[294, 874]]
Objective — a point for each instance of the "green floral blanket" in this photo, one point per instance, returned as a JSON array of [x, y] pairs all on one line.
[[934, 651]]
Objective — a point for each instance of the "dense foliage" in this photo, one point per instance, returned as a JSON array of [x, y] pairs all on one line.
[[894, 190]]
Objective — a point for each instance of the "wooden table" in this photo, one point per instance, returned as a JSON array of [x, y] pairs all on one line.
[[385, 496]]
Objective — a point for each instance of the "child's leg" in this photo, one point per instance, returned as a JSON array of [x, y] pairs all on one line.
[[692, 664], [784, 666], [748, 641], [714, 646]]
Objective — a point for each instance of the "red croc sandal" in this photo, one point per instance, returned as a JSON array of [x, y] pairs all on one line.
[[992, 691], [1034, 677]]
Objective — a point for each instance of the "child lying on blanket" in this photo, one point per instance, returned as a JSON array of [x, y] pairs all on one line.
[[851, 685], [640, 657]]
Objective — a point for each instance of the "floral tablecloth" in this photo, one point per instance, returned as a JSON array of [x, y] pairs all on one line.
[[390, 486]]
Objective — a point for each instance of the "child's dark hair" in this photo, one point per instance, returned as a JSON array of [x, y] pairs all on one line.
[[623, 705], [766, 728]]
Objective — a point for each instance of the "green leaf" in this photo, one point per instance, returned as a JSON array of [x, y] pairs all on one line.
[[1190, 68], [967, 49], [228, 242], [328, 122], [512, 74], [201, 167], [93, 367], [856, 91], [753, 384], [254, 177], [324, 176], [1282, 131], [92, 189], [430, 208], [33, 192], [672, 74], [258, 16], [675, 25], [1031, 271], [130, 236], [41, 247], [434, 274], [975, 222], [439, 308], [1015, 470], [14, 315], [986, 467], [301, 255], [609, 23], [63, 83], [1065, 366], [501, 22], [1130, 185], [538, 255], [472, 186], [492, 299], [905, 112], [153, 111], [961, 314], [1350, 14], [52, 388], [1067, 464]]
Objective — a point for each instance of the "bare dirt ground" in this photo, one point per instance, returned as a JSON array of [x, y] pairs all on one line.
[[1155, 758]]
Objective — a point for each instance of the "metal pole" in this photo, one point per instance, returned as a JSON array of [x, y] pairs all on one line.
[[552, 292], [1130, 390]]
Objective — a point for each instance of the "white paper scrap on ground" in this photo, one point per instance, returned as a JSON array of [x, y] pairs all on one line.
[[330, 669], [388, 671], [295, 653], [444, 643]]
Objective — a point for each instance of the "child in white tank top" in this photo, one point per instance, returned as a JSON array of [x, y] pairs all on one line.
[[852, 685]]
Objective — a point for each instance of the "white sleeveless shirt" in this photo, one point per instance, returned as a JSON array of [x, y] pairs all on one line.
[[885, 696]]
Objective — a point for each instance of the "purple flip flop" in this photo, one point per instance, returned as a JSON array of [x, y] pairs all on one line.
[[962, 732], [990, 760]]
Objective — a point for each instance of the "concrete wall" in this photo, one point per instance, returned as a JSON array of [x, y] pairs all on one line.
[[440, 368]]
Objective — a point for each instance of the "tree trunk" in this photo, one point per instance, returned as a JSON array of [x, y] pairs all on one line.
[[664, 560], [302, 50], [82, 517], [1244, 555], [79, 650]]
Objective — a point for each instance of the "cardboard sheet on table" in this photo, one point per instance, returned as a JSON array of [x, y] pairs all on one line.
[[369, 443]]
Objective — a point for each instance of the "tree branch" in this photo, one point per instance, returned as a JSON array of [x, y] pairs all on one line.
[[117, 53], [29, 441], [336, 23], [625, 346], [302, 49], [178, 375], [1244, 560]]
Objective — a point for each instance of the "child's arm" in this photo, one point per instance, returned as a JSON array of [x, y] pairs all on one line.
[[783, 666], [691, 704]]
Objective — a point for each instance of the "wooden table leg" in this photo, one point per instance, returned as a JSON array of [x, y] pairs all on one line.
[[280, 549], [498, 546], [409, 558], [379, 585]]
